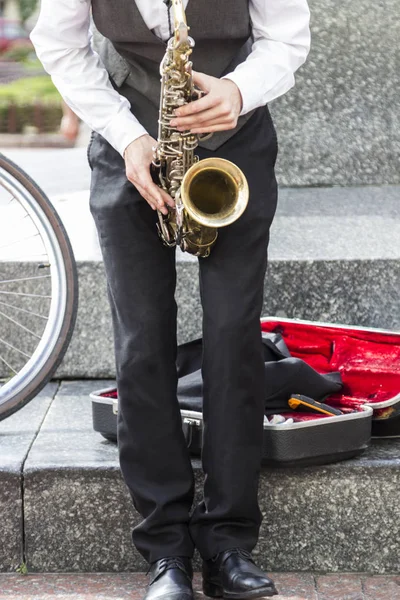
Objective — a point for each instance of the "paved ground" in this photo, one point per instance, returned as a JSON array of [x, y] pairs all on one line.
[[57, 171], [293, 586]]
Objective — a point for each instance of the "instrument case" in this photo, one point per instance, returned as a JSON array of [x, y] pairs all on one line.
[[365, 360]]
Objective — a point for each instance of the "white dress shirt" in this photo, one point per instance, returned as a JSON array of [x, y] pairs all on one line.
[[62, 40]]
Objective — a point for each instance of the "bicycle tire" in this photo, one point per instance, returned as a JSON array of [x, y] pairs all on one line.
[[47, 371]]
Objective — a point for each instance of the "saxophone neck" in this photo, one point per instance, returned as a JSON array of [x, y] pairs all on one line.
[[181, 28]]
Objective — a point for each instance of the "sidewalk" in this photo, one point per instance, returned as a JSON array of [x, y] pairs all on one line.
[[293, 586]]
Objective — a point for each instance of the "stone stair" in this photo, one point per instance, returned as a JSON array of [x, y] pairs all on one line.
[[334, 256], [65, 507]]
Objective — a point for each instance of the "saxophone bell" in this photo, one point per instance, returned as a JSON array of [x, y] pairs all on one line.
[[214, 192]]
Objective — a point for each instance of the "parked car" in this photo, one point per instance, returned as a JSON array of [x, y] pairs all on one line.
[[13, 36]]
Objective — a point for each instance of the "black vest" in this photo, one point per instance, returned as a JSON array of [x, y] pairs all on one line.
[[132, 54]]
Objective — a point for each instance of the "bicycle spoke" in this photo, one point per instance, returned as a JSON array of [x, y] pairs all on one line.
[[19, 324], [14, 348], [21, 240], [9, 366], [12, 200], [29, 312], [25, 278], [24, 294]]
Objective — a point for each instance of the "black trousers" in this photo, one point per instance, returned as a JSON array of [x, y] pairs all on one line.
[[141, 279]]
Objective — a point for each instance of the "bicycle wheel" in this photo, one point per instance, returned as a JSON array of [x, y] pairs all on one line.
[[38, 289]]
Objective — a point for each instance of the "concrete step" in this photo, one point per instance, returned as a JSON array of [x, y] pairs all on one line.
[[17, 434], [334, 256], [77, 515]]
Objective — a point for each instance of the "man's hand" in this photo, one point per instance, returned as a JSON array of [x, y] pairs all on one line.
[[138, 156], [218, 110]]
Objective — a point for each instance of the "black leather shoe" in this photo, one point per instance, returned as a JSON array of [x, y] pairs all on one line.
[[233, 574], [170, 579]]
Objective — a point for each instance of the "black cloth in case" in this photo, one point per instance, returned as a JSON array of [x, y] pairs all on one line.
[[284, 376]]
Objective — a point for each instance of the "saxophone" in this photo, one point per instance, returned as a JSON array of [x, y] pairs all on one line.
[[208, 193]]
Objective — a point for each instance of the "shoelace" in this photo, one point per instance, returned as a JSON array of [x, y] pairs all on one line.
[[240, 551], [244, 554], [169, 562]]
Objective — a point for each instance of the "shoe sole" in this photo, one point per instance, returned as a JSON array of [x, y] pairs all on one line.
[[215, 591]]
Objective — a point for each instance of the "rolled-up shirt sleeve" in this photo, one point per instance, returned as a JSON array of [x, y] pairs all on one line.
[[62, 40], [281, 43]]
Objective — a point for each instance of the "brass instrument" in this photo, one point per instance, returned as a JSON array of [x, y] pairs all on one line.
[[208, 193]]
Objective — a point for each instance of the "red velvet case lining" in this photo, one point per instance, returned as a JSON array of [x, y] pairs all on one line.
[[368, 361]]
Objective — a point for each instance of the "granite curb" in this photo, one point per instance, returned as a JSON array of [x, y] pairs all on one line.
[[333, 256], [349, 292], [66, 508], [17, 434], [339, 517]]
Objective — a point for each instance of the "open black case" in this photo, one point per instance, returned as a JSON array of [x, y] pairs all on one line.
[[353, 369]]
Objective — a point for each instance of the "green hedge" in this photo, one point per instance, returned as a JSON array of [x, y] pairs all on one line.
[[30, 101], [29, 89], [15, 117]]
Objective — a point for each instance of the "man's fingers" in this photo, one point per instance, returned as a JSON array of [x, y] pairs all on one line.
[[206, 116], [167, 198], [157, 200], [202, 80], [146, 197], [196, 106], [156, 195], [138, 156], [216, 126], [227, 121], [160, 197], [151, 192]]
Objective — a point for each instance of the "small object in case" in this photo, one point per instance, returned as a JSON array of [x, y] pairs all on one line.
[[298, 400]]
